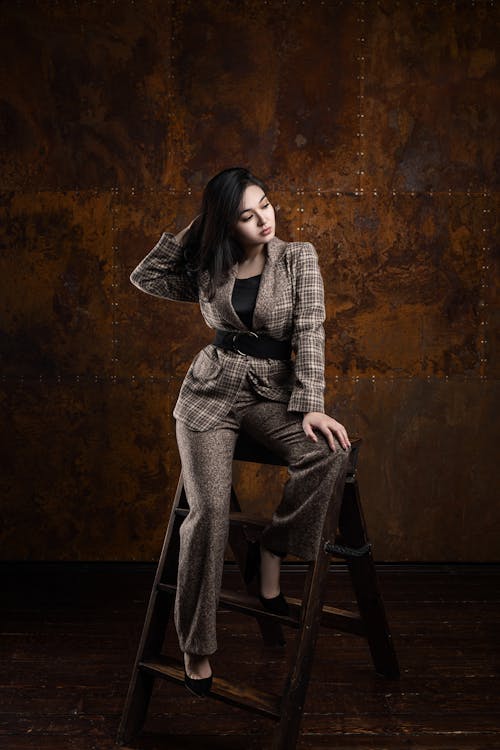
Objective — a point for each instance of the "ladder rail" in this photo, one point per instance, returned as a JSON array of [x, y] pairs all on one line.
[[152, 635], [345, 524]]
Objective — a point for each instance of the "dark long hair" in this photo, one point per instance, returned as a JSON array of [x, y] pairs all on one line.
[[209, 244]]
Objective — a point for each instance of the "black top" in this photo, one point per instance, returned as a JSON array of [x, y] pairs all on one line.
[[244, 297]]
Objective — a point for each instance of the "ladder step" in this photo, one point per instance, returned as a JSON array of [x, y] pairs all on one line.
[[332, 617], [245, 603], [250, 605], [238, 518], [259, 701], [343, 620]]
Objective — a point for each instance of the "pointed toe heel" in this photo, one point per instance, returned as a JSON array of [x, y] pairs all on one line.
[[200, 688]]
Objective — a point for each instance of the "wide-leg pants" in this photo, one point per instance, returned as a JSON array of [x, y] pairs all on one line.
[[296, 525]]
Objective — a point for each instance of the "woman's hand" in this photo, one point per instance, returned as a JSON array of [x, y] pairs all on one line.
[[328, 426], [180, 235]]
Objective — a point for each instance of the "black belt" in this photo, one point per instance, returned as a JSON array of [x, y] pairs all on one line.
[[253, 344]]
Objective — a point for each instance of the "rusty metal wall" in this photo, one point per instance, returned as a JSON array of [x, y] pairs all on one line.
[[374, 126]]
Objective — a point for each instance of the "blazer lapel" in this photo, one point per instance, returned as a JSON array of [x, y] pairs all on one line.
[[224, 305], [272, 282]]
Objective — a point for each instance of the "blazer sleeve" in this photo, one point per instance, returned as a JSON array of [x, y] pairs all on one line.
[[308, 337], [158, 274]]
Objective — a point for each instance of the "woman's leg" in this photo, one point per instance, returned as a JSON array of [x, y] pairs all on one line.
[[313, 470], [206, 459], [270, 566]]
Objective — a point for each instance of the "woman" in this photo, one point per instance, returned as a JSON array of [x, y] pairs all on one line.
[[264, 297]]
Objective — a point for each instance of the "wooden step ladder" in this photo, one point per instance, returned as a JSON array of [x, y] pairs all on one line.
[[344, 536]]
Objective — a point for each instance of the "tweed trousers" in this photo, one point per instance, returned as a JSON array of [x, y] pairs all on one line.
[[296, 525]]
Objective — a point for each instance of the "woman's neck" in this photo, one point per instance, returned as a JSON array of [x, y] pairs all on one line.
[[252, 265], [252, 252]]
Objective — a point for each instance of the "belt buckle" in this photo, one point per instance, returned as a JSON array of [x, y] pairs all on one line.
[[241, 333]]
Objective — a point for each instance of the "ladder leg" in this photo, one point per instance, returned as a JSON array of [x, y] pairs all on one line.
[[141, 683], [364, 580], [294, 695], [155, 624]]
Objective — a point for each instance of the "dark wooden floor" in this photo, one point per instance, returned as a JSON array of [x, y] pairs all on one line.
[[69, 634]]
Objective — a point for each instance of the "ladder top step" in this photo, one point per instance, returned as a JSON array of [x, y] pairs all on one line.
[[236, 518], [238, 695]]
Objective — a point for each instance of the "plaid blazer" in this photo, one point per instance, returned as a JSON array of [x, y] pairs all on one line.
[[290, 305]]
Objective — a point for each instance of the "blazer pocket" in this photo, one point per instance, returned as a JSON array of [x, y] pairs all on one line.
[[205, 366]]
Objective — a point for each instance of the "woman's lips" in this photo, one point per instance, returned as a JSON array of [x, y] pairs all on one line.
[[266, 231]]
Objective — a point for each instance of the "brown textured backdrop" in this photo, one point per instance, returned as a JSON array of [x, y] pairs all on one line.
[[374, 126]]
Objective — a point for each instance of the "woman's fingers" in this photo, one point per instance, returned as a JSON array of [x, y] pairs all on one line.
[[310, 433], [343, 437], [329, 438], [329, 427], [324, 429]]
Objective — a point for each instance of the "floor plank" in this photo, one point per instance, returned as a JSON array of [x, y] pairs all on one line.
[[70, 631]]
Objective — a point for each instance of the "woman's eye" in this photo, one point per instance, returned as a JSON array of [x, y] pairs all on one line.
[[247, 218]]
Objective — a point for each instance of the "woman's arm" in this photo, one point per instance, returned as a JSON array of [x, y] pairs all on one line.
[[308, 343], [159, 273], [308, 337]]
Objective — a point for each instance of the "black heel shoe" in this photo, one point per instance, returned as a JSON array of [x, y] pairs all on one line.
[[278, 605], [201, 687]]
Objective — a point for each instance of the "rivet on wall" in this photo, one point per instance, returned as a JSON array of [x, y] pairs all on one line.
[[483, 284], [300, 210], [114, 281], [361, 57]]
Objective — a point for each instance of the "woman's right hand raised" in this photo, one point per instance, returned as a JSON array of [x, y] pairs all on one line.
[[180, 235]]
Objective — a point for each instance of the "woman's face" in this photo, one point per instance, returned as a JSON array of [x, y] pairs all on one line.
[[256, 222]]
